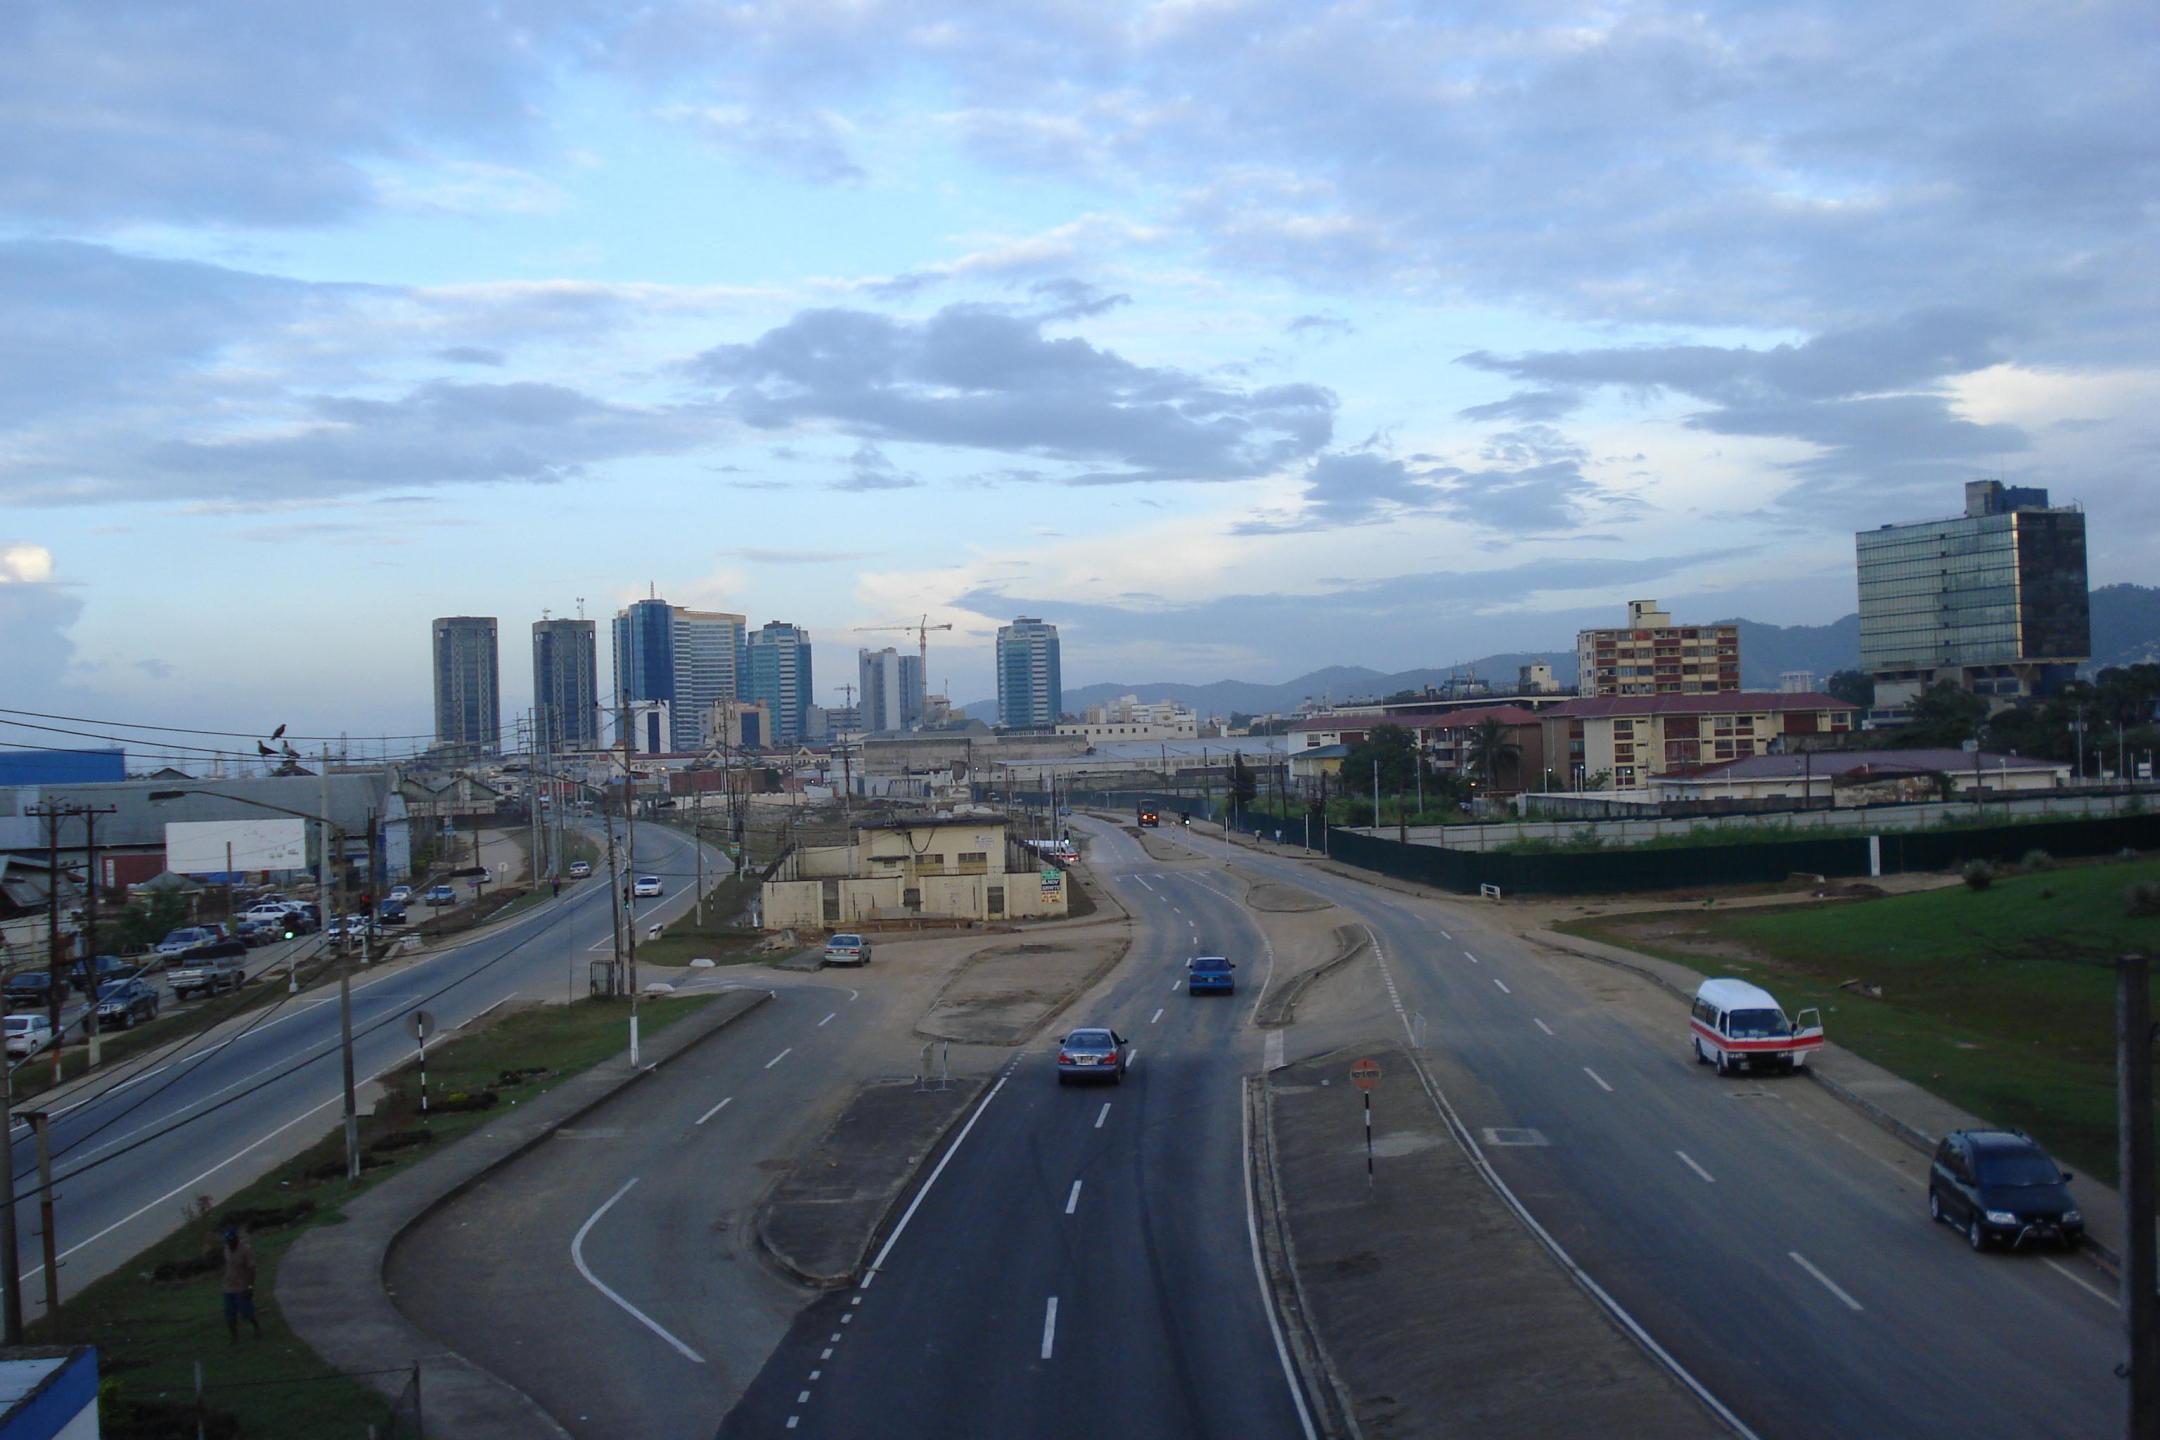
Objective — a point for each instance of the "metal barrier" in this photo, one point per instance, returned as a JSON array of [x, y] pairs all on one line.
[[1488, 891]]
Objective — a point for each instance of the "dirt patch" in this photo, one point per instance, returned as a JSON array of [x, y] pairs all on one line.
[[1004, 993], [1279, 1006]]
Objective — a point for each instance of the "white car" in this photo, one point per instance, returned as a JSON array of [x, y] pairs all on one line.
[[401, 893], [646, 885], [27, 1034]]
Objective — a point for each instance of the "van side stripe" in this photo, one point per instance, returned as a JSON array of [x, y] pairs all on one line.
[[1812, 1041]]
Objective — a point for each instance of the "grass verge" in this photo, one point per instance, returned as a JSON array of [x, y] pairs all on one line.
[[153, 1317], [1997, 1000]]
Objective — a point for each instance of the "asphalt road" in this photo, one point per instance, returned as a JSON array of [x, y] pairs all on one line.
[[1788, 1264], [1082, 1264], [225, 1106]]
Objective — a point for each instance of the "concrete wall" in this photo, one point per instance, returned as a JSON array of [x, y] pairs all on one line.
[[800, 904]]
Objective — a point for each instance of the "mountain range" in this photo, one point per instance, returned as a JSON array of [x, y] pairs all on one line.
[[2125, 631]]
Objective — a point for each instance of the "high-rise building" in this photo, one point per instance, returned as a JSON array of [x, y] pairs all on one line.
[[1030, 689], [468, 703], [1994, 600], [689, 659], [566, 685], [1652, 656], [777, 672], [891, 693]]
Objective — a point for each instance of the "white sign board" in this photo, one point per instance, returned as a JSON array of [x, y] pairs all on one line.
[[199, 847]]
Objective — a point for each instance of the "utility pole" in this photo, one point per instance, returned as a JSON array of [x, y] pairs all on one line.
[[56, 985], [630, 908], [697, 846], [11, 1324], [2134, 1100], [41, 1127]]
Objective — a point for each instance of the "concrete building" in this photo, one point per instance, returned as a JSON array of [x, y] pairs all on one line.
[[1866, 777], [1129, 718], [1796, 682], [778, 675], [1031, 689], [890, 691], [1630, 740], [1536, 679], [1994, 600], [963, 868], [739, 724], [688, 659], [468, 689], [1652, 656], [566, 685]]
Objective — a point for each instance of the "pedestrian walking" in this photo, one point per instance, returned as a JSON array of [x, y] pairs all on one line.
[[239, 1284], [555, 887]]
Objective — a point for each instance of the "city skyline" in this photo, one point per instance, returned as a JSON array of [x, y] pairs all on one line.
[[1228, 394]]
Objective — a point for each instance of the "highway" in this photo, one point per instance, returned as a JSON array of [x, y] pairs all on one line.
[[227, 1105], [1083, 1261], [1785, 1261]]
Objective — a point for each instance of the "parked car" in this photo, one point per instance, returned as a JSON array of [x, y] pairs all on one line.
[[28, 989], [27, 1034], [847, 950], [579, 869], [441, 895], [108, 968], [255, 933], [1737, 1026], [1092, 1054], [185, 938], [401, 894], [204, 975], [123, 1002], [1210, 975], [270, 913], [646, 885], [1999, 1187]]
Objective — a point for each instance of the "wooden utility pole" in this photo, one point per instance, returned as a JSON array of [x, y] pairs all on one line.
[[2134, 1098]]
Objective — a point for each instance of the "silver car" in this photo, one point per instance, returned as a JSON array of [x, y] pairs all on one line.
[[847, 950], [1092, 1054]]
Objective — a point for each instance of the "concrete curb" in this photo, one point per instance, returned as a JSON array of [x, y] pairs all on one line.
[[1280, 1008], [331, 1284]]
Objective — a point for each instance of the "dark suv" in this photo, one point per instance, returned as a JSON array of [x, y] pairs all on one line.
[[1998, 1186]]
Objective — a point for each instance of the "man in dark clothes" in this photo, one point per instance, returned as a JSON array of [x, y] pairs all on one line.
[[239, 1284]]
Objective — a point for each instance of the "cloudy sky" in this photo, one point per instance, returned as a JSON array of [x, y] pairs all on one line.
[[1236, 338]]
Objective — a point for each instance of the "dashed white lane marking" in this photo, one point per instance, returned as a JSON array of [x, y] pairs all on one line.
[[1472, 958], [1599, 1078], [1689, 1161], [1387, 978], [716, 1110], [802, 1397], [2063, 1270], [829, 1019], [848, 1319], [577, 1258], [1157, 1017], [817, 1374], [793, 1421], [1541, 1025], [826, 1353], [1072, 1201], [1141, 880], [1445, 936], [779, 1057], [836, 1337], [1177, 982], [1102, 1114], [1827, 1282], [1132, 1057], [1502, 984], [1049, 1327]]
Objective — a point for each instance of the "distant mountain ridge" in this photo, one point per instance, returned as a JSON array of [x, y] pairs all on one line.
[[2125, 631]]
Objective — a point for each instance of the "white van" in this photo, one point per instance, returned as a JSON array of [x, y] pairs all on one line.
[[1737, 1026]]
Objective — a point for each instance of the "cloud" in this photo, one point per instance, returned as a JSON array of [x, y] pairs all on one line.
[[763, 555], [1075, 299], [36, 614], [22, 563], [470, 355], [1326, 325], [986, 379], [1531, 482], [868, 469], [811, 144], [1526, 405]]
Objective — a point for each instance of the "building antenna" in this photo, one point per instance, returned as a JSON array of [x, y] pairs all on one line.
[[580, 607]]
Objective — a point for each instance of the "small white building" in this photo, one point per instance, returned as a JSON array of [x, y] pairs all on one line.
[[1130, 718], [962, 867]]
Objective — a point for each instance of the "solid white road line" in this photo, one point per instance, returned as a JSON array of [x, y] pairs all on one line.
[[716, 1110], [1267, 1298], [909, 1214], [779, 1057], [1599, 1078], [1072, 1201], [1102, 1114], [1158, 1016], [577, 1257], [828, 1019], [1541, 1025], [1049, 1327], [1688, 1161], [2090, 1289], [1502, 984], [1827, 1282]]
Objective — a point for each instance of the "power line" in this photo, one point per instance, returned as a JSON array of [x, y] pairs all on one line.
[[185, 730]]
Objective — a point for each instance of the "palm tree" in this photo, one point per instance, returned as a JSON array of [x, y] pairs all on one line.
[[1492, 750]]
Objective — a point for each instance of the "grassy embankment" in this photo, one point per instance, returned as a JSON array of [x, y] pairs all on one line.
[[153, 1317], [2002, 1001]]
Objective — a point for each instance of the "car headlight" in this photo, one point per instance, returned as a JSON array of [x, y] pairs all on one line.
[[2071, 1217], [2001, 1217]]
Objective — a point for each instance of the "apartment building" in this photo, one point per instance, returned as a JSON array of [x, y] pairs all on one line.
[[1030, 683], [1631, 739], [1650, 655], [468, 686]]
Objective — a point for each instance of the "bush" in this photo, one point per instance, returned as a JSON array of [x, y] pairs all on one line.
[[1978, 875], [2143, 898], [2036, 860]]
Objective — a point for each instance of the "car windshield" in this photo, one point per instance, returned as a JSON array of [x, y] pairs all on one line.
[[111, 989], [2017, 1168], [1756, 1024], [1088, 1040], [1211, 962], [846, 940], [17, 1024]]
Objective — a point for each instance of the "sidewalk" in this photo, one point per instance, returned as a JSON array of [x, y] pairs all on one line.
[[330, 1285]]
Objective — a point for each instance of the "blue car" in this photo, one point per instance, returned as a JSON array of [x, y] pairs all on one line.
[[1209, 974]]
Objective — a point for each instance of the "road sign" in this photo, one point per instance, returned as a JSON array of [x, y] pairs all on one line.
[[420, 1022], [1365, 1074]]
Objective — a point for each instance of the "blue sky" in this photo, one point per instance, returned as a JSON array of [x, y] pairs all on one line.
[[1237, 338]]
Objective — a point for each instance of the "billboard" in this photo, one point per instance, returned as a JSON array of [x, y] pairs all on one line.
[[199, 847]]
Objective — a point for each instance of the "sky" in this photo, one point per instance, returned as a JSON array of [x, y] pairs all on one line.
[[1236, 339]]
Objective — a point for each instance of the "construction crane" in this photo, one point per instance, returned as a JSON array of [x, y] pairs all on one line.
[[921, 630]]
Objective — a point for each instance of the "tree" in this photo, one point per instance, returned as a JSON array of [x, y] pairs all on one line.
[[1242, 784], [149, 918], [1493, 752], [1854, 687], [1945, 715], [1391, 747]]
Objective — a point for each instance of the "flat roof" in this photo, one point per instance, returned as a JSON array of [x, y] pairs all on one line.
[[1730, 994]]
